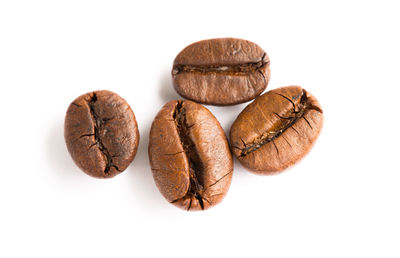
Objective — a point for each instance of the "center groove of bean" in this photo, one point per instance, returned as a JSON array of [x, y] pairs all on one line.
[[195, 165], [98, 123], [226, 69]]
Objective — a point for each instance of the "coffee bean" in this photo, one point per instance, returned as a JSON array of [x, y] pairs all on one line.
[[101, 133], [189, 156], [223, 71], [276, 130]]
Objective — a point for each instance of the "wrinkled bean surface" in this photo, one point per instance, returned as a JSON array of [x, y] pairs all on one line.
[[189, 156], [276, 130], [222, 71], [101, 133]]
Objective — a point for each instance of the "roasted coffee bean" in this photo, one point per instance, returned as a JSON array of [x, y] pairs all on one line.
[[223, 71], [276, 130], [189, 156], [101, 133]]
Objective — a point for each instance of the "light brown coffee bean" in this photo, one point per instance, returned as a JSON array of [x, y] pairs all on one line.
[[276, 130], [189, 156], [224, 71], [101, 133]]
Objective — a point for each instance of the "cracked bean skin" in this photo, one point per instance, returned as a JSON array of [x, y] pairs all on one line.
[[223, 71], [276, 130], [189, 156], [101, 133]]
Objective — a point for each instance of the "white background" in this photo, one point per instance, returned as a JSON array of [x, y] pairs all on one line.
[[342, 200]]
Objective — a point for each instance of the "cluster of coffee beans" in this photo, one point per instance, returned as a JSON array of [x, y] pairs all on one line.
[[189, 153]]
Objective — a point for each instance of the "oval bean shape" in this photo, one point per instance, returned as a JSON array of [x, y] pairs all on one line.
[[276, 130], [189, 156], [101, 133], [224, 71]]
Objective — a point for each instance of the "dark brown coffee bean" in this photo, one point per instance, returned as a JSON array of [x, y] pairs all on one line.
[[276, 130], [223, 71], [101, 133], [189, 156]]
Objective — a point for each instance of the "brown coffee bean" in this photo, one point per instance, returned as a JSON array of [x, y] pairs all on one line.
[[101, 133], [276, 130], [223, 71], [189, 156]]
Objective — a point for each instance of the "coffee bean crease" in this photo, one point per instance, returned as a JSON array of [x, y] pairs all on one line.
[[98, 124], [223, 69], [189, 148]]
